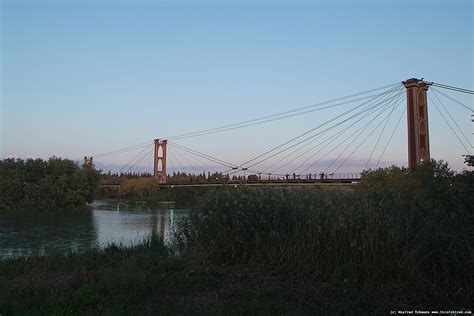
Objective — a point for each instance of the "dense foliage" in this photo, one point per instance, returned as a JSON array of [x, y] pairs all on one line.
[[55, 184], [400, 239]]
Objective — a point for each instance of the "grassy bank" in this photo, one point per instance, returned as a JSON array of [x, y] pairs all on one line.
[[399, 241], [146, 279]]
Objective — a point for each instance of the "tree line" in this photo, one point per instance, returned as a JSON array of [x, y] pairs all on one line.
[[46, 185]]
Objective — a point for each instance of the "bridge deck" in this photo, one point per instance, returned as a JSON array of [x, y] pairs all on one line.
[[305, 182], [264, 184]]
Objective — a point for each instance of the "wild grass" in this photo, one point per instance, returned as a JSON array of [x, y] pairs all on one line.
[[144, 279], [405, 242]]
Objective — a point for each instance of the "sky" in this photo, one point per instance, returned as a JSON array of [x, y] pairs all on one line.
[[87, 77]]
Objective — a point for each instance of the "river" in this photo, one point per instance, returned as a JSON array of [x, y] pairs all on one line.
[[24, 234]]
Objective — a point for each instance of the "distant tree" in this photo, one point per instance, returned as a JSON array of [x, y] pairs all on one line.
[[469, 160]]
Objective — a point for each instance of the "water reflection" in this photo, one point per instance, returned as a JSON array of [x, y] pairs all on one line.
[[23, 234]]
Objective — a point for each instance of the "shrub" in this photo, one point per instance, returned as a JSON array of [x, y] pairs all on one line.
[[398, 231]]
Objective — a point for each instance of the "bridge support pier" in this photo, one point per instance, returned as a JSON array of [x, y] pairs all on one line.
[[417, 119], [160, 174]]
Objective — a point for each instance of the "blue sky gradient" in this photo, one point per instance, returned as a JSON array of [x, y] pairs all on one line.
[[82, 78]]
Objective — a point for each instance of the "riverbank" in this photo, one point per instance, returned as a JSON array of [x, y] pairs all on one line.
[[146, 279]]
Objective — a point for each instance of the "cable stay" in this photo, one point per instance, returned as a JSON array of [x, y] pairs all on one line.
[[174, 157], [367, 104], [140, 160], [343, 131], [138, 157], [202, 155], [194, 152], [365, 138], [453, 120], [393, 90], [260, 120], [281, 115], [273, 119], [436, 91], [197, 163], [149, 161], [304, 145], [450, 127], [124, 150], [357, 134], [379, 137], [391, 136], [327, 141], [448, 87]]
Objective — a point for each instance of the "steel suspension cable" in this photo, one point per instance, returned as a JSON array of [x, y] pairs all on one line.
[[361, 129], [360, 132], [278, 116], [333, 137], [259, 120], [391, 136], [142, 157], [448, 87], [170, 158], [308, 132], [185, 157], [124, 150], [449, 125], [365, 138], [378, 140], [453, 120], [273, 119], [452, 99], [132, 160], [194, 152], [148, 162], [205, 156], [300, 148]]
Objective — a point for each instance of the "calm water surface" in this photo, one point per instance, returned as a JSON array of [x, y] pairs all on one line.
[[109, 221]]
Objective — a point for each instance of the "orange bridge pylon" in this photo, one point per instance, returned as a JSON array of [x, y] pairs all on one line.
[[417, 119], [160, 160]]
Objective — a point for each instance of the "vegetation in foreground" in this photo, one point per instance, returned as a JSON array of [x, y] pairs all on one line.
[[52, 185], [147, 279], [400, 241]]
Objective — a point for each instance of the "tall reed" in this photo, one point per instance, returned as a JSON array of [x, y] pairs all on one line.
[[395, 233]]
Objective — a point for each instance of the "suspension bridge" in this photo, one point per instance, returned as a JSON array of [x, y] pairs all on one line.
[[367, 119]]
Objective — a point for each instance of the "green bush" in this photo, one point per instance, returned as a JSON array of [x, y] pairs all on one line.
[[50, 185], [396, 232]]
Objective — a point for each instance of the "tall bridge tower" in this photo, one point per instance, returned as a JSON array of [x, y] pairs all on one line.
[[160, 159], [417, 118], [88, 161]]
